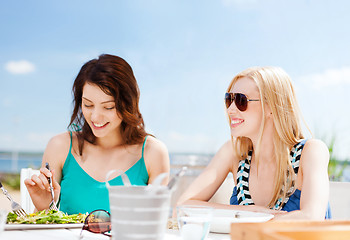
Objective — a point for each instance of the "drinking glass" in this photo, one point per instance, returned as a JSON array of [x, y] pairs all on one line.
[[194, 221]]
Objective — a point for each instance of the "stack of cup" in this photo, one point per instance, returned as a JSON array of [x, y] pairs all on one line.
[[139, 212]]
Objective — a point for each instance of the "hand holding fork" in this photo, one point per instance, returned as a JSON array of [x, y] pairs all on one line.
[[42, 188], [52, 205]]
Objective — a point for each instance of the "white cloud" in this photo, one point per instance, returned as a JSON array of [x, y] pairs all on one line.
[[330, 77], [20, 67]]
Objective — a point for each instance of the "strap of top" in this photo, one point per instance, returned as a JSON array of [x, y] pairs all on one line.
[[71, 141], [295, 155], [243, 195], [143, 146]]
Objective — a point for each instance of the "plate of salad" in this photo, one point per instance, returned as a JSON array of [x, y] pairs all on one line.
[[45, 219]]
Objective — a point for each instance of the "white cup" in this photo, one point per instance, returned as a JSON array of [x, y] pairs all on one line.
[[139, 212], [194, 221]]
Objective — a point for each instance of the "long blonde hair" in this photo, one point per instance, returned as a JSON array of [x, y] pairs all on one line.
[[276, 91]]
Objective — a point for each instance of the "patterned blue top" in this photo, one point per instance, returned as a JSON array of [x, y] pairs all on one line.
[[241, 195]]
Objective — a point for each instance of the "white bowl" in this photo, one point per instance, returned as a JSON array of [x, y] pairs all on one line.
[[222, 219]]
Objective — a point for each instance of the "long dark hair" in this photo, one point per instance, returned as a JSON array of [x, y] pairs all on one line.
[[115, 77]]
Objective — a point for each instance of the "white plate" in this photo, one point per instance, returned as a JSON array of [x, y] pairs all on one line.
[[222, 219], [42, 226]]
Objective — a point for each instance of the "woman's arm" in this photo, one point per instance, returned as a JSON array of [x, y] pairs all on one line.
[[38, 186], [315, 186], [156, 159], [209, 181]]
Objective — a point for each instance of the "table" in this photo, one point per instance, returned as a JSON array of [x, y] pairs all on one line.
[[71, 234]]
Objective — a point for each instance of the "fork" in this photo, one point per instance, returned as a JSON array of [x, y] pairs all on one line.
[[174, 181], [16, 208], [52, 205]]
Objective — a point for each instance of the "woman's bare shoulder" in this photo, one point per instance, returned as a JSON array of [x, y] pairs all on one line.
[[154, 146], [225, 157], [156, 157], [228, 146], [58, 147], [315, 151], [315, 143], [227, 151], [59, 141]]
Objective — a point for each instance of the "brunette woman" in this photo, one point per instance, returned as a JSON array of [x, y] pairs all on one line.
[[106, 132]]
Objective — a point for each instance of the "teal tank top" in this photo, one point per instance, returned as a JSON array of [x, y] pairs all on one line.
[[80, 193]]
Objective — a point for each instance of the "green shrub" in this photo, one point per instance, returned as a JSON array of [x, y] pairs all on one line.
[[336, 166], [11, 180]]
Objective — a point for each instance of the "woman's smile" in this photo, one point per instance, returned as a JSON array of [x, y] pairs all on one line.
[[99, 125], [236, 122]]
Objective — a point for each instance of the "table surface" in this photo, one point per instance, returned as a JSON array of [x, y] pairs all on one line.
[[53, 234]]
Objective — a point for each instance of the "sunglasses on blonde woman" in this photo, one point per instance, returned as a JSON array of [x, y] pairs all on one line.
[[98, 221], [240, 100]]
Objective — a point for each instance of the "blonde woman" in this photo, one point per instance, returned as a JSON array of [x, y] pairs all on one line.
[[275, 169]]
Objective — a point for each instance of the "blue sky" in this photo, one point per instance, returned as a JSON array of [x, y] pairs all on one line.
[[183, 53]]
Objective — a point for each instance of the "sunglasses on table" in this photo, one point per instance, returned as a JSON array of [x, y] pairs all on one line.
[[98, 221], [240, 100]]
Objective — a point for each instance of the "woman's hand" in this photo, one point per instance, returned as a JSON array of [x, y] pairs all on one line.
[[39, 188], [262, 209]]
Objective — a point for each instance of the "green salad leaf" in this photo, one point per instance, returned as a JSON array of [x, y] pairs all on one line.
[[46, 217]]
